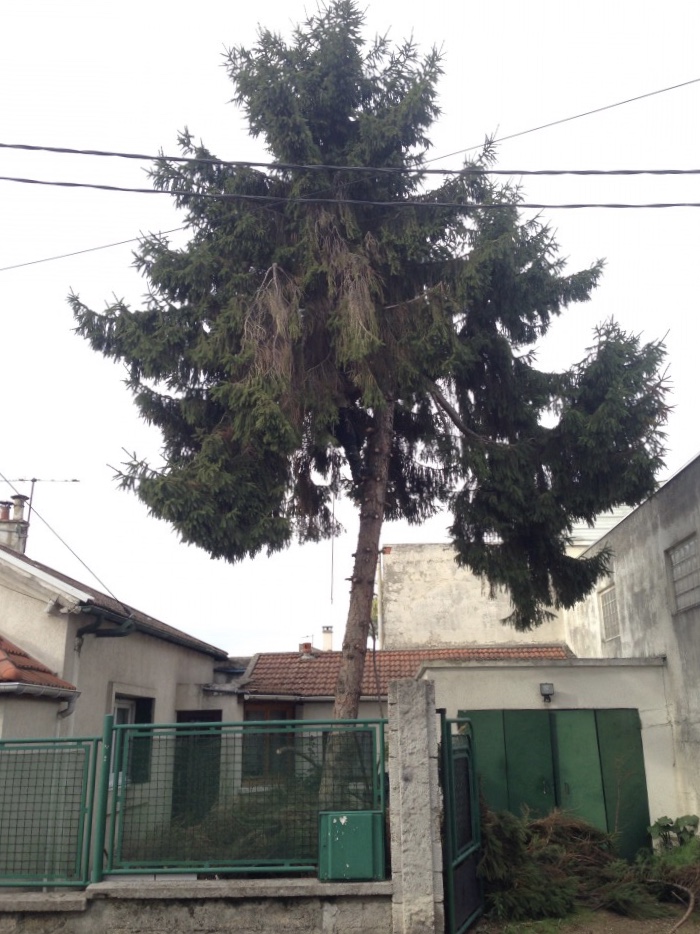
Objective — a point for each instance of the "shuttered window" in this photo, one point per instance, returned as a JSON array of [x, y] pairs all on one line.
[[608, 609], [684, 564]]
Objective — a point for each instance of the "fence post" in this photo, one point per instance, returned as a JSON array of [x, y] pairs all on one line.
[[414, 797], [102, 798]]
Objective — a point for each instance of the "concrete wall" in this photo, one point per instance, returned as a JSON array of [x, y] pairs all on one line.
[[286, 906], [426, 599], [649, 624]]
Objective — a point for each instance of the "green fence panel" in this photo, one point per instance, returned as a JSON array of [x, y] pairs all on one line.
[[46, 803], [235, 797]]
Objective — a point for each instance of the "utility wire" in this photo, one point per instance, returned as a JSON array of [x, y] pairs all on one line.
[[470, 170], [266, 199], [587, 113], [65, 543], [92, 249], [500, 139], [143, 157]]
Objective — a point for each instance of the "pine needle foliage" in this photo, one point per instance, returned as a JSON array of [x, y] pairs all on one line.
[[293, 351], [546, 867]]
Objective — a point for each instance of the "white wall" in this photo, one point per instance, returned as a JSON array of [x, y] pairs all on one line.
[[426, 599]]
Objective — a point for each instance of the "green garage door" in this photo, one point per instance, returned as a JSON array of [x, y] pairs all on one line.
[[587, 762]]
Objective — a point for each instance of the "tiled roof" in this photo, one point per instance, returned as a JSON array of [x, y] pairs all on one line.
[[17, 666], [142, 622], [291, 674]]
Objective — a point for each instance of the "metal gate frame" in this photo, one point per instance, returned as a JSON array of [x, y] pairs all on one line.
[[464, 901]]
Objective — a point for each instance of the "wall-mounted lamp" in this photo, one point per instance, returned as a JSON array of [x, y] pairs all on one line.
[[547, 691]]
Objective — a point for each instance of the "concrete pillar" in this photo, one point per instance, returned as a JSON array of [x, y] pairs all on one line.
[[414, 796]]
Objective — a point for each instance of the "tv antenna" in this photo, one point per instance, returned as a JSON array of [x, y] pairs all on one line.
[[34, 481]]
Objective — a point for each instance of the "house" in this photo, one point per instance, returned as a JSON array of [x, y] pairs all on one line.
[[649, 606], [69, 654]]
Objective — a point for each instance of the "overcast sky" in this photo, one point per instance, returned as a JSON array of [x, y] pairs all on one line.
[[127, 76]]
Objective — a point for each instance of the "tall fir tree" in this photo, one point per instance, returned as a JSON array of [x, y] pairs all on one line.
[[334, 327]]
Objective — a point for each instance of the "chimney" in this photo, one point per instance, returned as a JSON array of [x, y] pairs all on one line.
[[14, 528], [306, 649], [327, 638]]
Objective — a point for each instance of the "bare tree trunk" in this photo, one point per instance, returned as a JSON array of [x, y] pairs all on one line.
[[352, 665]]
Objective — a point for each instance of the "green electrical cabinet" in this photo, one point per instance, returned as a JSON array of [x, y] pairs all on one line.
[[587, 762], [351, 846]]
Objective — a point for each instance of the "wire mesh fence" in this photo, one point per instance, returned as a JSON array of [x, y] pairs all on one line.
[[46, 799], [236, 797]]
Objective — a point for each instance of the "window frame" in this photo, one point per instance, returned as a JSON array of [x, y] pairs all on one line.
[[261, 712], [607, 599], [693, 560]]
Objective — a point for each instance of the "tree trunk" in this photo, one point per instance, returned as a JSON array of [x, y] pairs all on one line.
[[352, 665]]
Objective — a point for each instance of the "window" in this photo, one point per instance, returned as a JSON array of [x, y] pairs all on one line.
[[608, 609], [128, 710], [267, 754], [684, 566]]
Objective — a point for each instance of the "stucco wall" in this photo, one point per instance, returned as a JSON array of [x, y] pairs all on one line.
[[579, 684], [135, 665], [24, 619], [28, 717], [649, 625], [426, 599]]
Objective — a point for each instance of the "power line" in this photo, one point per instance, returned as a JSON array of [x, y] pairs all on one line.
[[362, 169], [66, 545], [92, 249], [266, 199], [587, 113], [282, 166], [501, 139]]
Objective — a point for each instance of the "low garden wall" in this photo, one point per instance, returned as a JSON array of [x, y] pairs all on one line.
[[258, 906]]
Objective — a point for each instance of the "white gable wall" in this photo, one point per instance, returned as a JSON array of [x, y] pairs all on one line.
[[426, 599]]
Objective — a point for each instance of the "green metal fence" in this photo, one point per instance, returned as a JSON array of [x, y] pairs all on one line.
[[169, 798], [46, 799], [232, 797]]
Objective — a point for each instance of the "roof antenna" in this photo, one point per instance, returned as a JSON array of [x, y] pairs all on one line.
[[34, 481]]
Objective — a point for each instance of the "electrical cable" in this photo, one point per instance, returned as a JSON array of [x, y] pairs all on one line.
[[53, 531], [362, 169], [263, 199], [143, 157], [428, 161], [92, 249], [587, 113]]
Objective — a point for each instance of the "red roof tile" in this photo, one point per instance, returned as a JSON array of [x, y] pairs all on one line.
[[17, 666], [291, 674]]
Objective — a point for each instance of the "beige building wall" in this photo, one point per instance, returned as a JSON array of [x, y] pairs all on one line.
[[426, 599], [35, 616], [579, 684], [28, 717], [29, 617]]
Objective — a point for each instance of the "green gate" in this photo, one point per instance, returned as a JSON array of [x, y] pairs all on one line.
[[461, 828], [589, 763]]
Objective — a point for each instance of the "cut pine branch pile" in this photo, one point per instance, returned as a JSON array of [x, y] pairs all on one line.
[[543, 868]]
